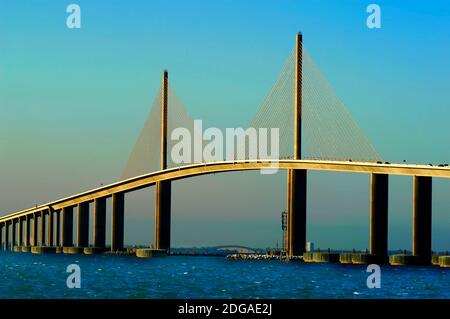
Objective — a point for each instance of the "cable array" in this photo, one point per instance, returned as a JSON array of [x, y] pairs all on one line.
[[329, 132]]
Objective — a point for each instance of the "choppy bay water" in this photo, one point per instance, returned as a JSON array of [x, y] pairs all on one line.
[[44, 276]]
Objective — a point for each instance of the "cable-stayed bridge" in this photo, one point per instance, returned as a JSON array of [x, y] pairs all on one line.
[[316, 132]]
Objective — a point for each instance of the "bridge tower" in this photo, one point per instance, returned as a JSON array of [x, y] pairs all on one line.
[[297, 178], [163, 188]]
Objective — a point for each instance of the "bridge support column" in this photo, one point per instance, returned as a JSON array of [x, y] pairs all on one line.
[[162, 214], [42, 229], [422, 195], [67, 226], [58, 228], [27, 230], [19, 232], [2, 227], [83, 225], [100, 222], [35, 229], [50, 228], [117, 221], [6, 236], [13, 234], [379, 193], [297, 183]]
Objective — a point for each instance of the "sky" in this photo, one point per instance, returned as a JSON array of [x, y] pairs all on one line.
[[73, 102]]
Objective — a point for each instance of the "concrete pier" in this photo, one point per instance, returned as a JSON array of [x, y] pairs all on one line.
[[379, 193], [58, 228], [100, 222], [117, 221], [321, 257], [34, 235], [150, 253], [421, 241], [422, 218], [162, 215], [435, 260], [50, 232], [83, 225], [404, 259], [67, 226], [13, 234], [346, 258], [27, 241], [26, 249], [444, 261], [43, 250], [94, 250], [71, 250], [42, 229], [6, 236], [2, 226], [19, 232], [2, 235], [364, 258], [297, 212]]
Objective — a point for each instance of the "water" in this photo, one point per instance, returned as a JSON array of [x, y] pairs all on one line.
[[44, 276]]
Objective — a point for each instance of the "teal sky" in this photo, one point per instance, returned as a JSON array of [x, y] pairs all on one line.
[[73, 101]]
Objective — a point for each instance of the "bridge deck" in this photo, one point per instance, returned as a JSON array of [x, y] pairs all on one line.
[[146, 180]]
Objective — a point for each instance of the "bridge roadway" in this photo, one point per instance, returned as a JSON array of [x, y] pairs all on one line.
[[186, 171]]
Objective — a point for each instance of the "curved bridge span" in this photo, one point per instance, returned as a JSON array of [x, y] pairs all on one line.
[[139, 182]]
